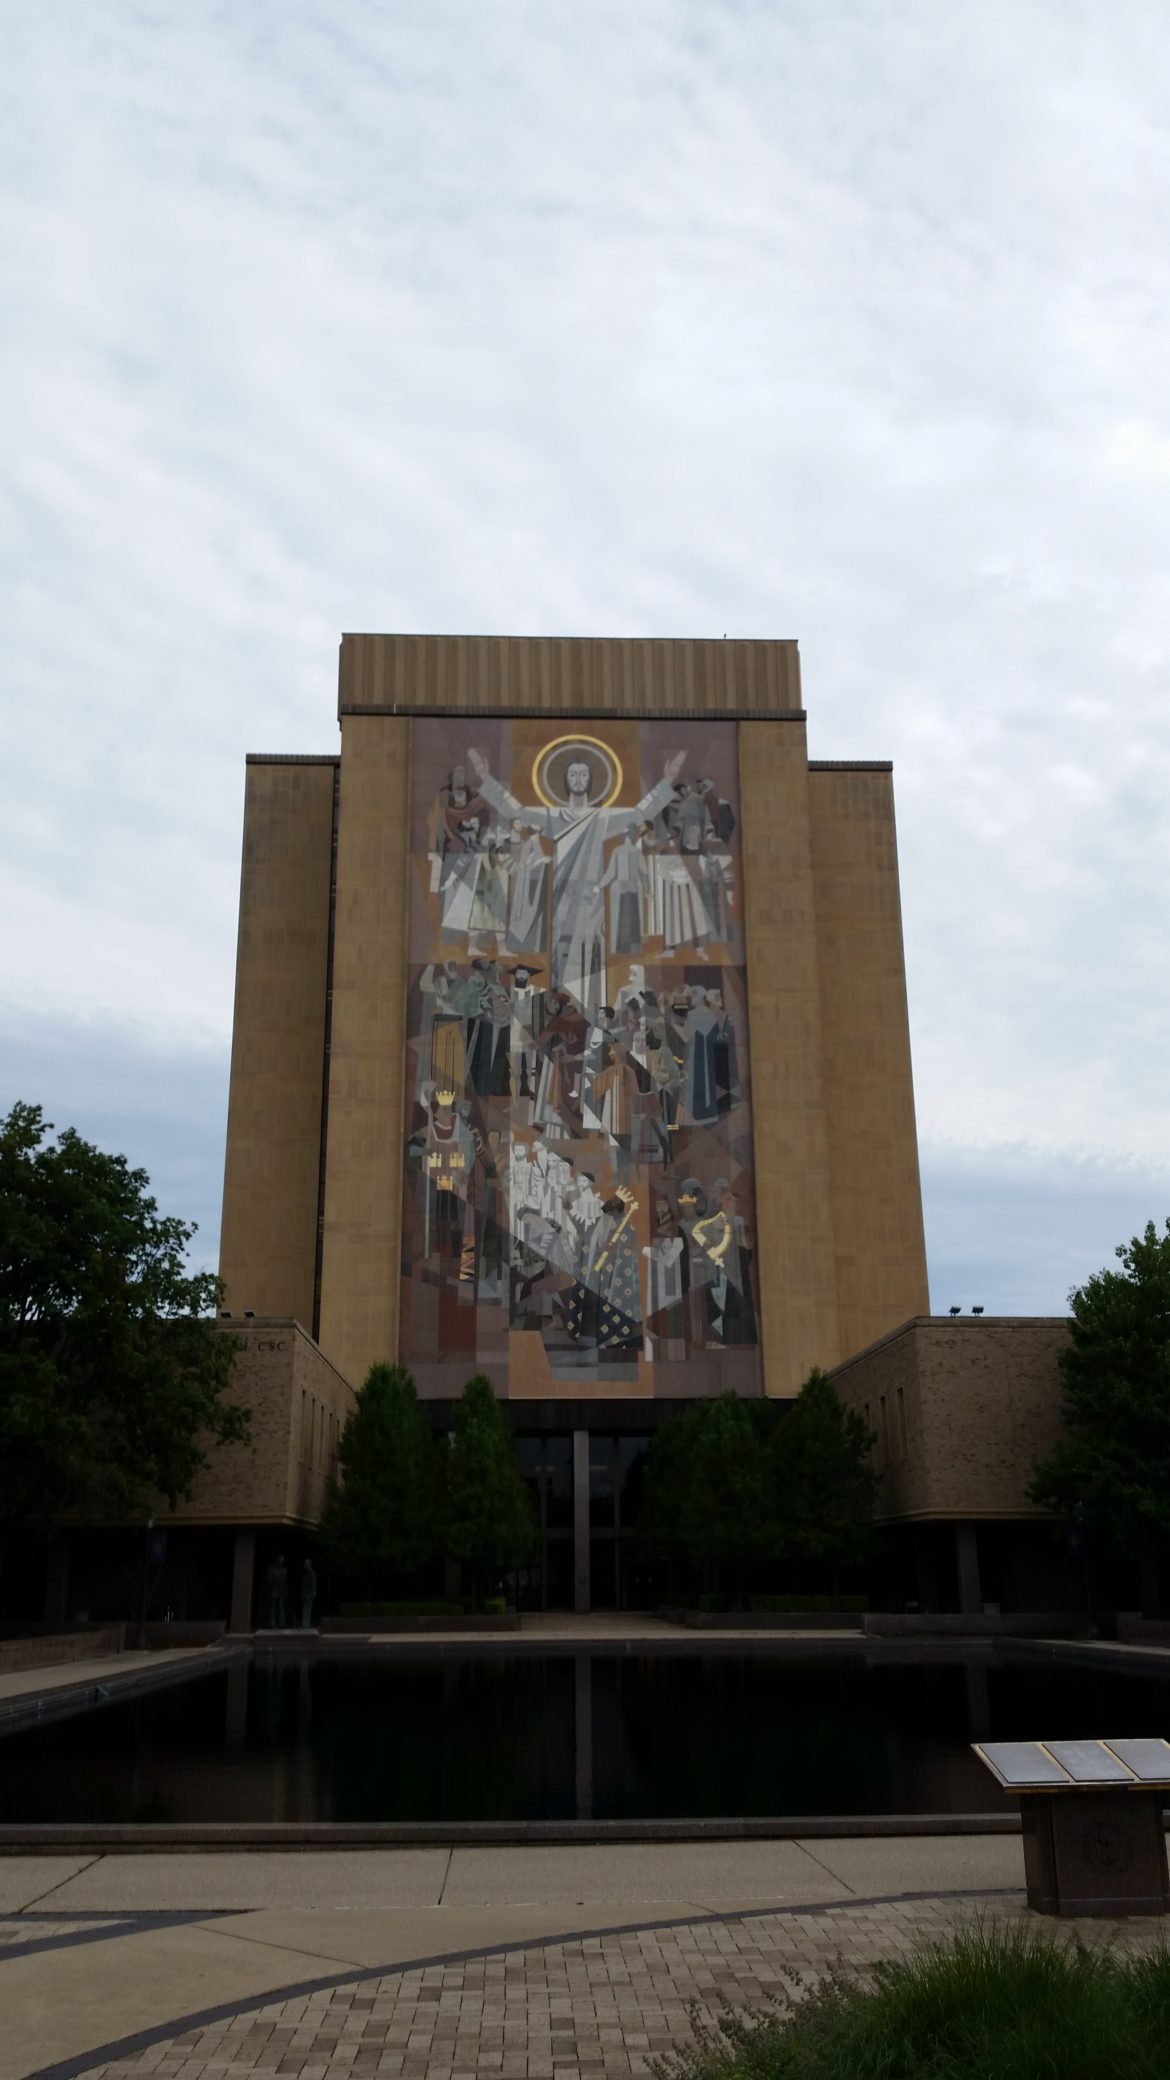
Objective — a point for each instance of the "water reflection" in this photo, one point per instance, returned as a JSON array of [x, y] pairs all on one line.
[[561, 1736]]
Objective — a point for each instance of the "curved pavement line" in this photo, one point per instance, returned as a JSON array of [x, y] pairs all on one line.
[[122, 2048]]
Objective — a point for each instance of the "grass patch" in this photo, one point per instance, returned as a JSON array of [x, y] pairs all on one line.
[[1016, 2003]]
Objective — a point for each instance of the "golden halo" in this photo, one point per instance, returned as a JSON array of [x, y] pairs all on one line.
[[593, 749]]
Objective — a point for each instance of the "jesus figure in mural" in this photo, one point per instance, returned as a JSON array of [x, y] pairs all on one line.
[[577, 832]]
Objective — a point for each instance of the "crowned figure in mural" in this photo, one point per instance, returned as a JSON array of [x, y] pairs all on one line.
[[441, 1155], [577, 780]]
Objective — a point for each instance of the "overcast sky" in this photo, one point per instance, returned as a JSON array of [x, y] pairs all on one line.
[[848, 322]]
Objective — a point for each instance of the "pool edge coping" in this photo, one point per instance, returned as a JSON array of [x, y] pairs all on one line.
[[42, 1839]]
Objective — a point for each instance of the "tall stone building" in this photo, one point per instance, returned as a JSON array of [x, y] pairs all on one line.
[[571, 1040], [571, 1047]]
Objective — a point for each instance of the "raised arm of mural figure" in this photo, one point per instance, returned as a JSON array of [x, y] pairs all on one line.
[[644, 811], [498, 795], [659, 795]]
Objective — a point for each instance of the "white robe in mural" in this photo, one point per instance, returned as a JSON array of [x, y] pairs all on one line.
[[577, 837]]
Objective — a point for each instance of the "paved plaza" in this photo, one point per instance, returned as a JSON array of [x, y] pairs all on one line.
[[568, 1963]]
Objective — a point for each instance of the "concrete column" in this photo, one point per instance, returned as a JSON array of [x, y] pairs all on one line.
[[580, 1520], [978, 1700], [361, 1243], [967, 1562], [793, 1183], [57, 1580], [583, 1731], [243, 1579]]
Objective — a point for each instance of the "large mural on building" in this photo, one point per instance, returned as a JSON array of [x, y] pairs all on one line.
[[578, 1205]]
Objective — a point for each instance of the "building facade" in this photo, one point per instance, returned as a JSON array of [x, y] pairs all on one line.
[[571, 1041], [571, 1047], [961, 1409]]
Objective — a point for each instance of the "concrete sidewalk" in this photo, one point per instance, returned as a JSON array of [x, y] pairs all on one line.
[[105, 1669], [712, 1874]]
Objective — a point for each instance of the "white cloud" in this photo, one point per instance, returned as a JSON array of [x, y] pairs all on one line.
[[850, 324], [1136, 451]]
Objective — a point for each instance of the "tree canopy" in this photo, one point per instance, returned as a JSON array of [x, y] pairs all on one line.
[[113, 1375], [823, 1485], [1111, 1468], [733, 1484], [706, 1488], [383, 1515], [489, 1517]]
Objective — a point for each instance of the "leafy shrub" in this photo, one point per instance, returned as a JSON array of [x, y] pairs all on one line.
[[1016, 2003], [495, 1606]]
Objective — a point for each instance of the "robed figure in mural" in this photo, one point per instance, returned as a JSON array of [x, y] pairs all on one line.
[[604, 1310], [576, 832]]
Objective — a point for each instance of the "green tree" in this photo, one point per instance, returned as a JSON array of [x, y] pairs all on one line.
[[113, 1376], [705, 1490], [1111, 1468], [822, 1485], [489, 1518], [730, 1483], [382, 1517]]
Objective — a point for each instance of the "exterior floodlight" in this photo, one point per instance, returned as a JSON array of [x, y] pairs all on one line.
[[956, 1310], [249, 1314], [225, 1314], [977, 1310]]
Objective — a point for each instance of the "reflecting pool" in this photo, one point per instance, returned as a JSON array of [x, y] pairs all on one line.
[[561, 1736]]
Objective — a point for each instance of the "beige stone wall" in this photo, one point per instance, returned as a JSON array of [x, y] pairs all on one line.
[[567, 675], [962, 1410], [363, 1175], [794, 1218], [879, 1244], [299, 1403], [269, 1234]]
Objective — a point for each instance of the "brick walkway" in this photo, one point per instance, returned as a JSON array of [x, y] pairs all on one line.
[[579, 2010]]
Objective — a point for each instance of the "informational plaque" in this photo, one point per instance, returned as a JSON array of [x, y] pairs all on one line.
[[1149, 1759], [1023, 1765], [1089, 1762]]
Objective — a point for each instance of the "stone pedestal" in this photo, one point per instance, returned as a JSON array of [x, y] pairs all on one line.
[[1095, 1852]]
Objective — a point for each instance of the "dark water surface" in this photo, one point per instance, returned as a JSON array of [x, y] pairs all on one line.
[[511, 1738]]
